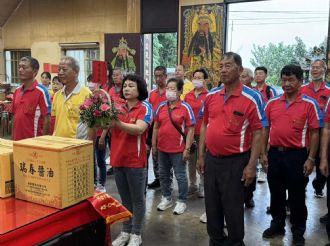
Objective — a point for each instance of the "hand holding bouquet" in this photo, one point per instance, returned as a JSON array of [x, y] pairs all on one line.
[[98, 111]]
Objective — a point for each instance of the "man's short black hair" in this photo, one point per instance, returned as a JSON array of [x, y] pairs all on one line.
[[33, 62], [237, 58], [291, 69], [141, 86], [179, 83], [47, 75], [203, 71], [261, 68], [161, 68]]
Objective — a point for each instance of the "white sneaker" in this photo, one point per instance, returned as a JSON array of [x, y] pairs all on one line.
[[135, 240], [201, 192], [262, 178], [164, 204], [203, 218], [180, 207], [122, 239], [100, 188]]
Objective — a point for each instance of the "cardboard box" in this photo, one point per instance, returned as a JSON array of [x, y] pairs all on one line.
[[6, 170], [53, 171]]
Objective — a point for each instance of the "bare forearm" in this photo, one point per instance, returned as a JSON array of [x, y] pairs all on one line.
[[202, 140], [133, 129], [264, 140], [314, 142], [256, 147], [154, 138], [46, 125], [325, 138], [190, 137]]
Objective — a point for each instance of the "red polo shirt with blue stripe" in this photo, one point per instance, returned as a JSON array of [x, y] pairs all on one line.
[[30, 106], [321, 95], [290, 123], [196, 104], [129, 150], [231, 120], [169, 139], [155, 98]]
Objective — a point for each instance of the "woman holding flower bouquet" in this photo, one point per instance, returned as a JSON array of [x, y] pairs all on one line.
[[129, 156]]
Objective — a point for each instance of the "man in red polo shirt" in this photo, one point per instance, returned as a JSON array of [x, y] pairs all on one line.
[[267, 93], [231, 115], [31, 103], [294, 123], [156, 96], [320, 91]]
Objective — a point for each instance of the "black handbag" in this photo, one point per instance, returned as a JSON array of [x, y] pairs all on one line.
[[193, 146]]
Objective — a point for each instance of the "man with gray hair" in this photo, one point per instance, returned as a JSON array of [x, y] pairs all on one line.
[[31, 103], [67, 101], [246, 77], [320, 91]]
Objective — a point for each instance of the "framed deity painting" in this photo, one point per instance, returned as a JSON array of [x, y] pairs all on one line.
[[202, 37]]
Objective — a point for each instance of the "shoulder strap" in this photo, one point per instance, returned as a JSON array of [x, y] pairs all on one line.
[[268, 92], [175, 126]]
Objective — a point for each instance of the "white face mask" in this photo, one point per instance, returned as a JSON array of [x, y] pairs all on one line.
[[171, 95], [92, 85], [198, 83]]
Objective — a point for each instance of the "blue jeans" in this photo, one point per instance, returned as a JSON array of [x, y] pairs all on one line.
[[100, 161], [131, 187], [167, 161]]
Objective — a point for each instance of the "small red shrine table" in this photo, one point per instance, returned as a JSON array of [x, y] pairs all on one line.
[[25, 223]]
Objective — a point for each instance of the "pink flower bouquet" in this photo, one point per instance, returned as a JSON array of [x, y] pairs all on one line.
[[98, 111]]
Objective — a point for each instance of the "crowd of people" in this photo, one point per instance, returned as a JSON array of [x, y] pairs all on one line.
[[215, 137]]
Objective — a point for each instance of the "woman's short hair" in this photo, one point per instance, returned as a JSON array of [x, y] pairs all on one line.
[[141, 86], [47, 75], [179, 83]]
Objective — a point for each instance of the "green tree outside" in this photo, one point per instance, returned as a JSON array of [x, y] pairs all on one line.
[[275, 56], [165, 49]]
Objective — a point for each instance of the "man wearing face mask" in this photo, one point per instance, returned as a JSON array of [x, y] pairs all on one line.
[[195, 98], [155, 98]]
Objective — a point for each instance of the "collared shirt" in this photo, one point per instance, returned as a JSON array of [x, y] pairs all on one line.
[[116, 97], [169, 139], [263, 92], [187, 87], [67, 112], [30, 106], [130, 150], [290, 123], [196, 104], [155, 98], [231, 120], [321, 95]]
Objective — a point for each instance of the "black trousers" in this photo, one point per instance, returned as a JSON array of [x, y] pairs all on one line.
[[319, 180], [224, 198], [285, 172]]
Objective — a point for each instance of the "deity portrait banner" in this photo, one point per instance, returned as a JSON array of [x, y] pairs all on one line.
[[202, 38], [124, 50]]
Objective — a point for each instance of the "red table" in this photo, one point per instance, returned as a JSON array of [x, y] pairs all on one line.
[[25, 223]]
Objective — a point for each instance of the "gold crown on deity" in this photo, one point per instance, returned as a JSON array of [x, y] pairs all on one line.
[[204, 16], [122, 43]]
